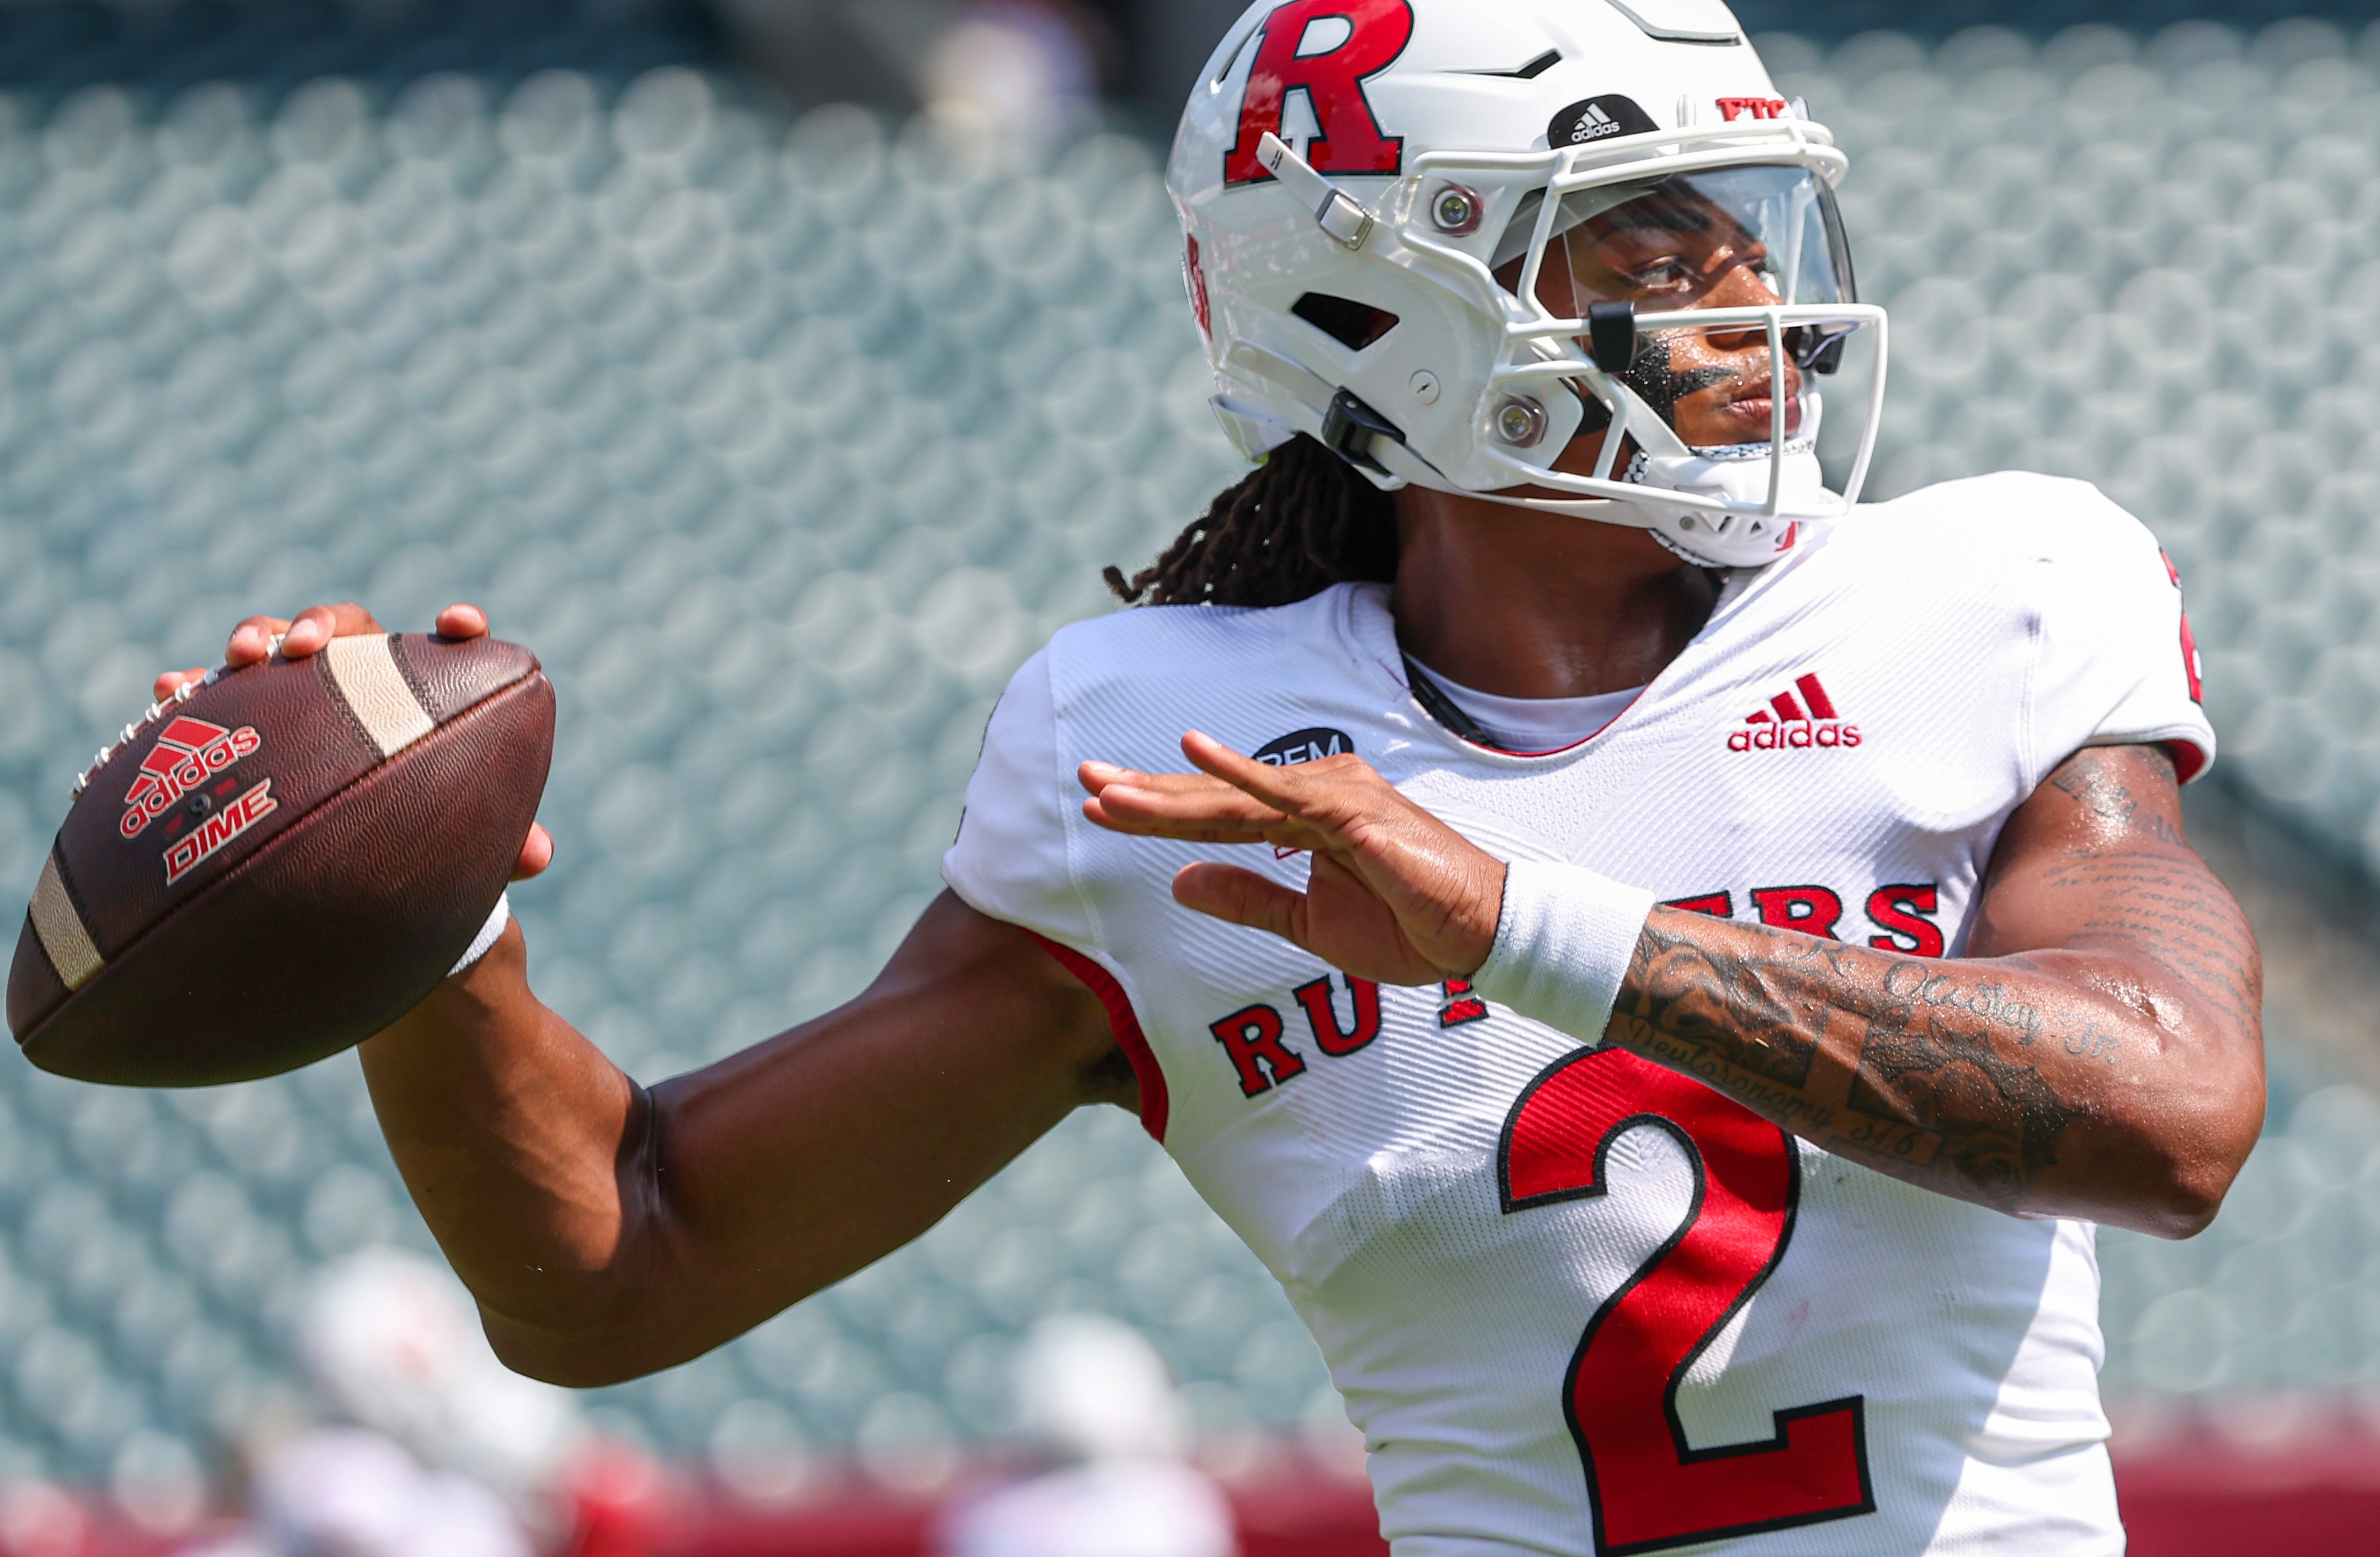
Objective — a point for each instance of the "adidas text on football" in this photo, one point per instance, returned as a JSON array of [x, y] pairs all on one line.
[[188, 752]]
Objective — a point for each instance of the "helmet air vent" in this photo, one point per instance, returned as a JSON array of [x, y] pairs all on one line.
[[1528, 72], [1352, 324]]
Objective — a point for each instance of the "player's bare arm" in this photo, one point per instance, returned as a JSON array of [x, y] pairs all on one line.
[[2098, 1053], [607, 1231]]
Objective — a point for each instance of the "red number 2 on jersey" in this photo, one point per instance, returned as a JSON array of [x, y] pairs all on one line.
[[1648, 1487]]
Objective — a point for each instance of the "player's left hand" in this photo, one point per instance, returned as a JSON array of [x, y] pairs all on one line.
[[1396, 896], [260, 637]]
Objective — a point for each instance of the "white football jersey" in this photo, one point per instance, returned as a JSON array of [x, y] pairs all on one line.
[[1576, 1303]]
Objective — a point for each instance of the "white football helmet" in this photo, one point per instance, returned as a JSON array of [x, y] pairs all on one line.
[[1449, 237]]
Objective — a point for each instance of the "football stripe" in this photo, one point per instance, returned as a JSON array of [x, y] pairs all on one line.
[[366, 674], [60, 926]]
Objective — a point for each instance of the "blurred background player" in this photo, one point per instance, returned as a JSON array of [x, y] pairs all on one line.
[[430, 1445], [1094, 1398]]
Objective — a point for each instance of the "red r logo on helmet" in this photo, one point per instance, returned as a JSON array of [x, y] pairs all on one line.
[[1333, 79]]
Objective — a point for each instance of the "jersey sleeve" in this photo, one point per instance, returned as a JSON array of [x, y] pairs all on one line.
[[1011, 859], [2116, 663]]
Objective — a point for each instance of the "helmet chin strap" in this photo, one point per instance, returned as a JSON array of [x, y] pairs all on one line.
[[1735, 473], [1739, 472]]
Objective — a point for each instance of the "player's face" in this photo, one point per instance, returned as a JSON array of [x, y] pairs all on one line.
[[1668, 255], [1744, 238], [1672, 250]]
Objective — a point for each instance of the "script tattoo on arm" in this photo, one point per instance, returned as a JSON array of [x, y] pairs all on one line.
[[2162, 899], [2038, 1075], [1882, 1058]]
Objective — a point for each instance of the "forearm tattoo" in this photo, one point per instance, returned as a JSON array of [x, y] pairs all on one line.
[[1965, 1077], [1897, 1064]]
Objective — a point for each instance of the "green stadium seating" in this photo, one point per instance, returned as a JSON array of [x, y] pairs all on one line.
[[783, 440]]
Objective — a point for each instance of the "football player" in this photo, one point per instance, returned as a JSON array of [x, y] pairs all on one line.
[[1667, 965]]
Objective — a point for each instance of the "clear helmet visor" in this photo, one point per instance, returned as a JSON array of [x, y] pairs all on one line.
[[1674, 242], [1729, 237], [1722, 291]]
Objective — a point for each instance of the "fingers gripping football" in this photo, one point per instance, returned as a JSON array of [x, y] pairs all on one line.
[[257, 638], [1395, 895], [308, 633]]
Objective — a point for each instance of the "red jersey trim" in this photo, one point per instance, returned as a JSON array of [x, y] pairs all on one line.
[[1126, 1024]]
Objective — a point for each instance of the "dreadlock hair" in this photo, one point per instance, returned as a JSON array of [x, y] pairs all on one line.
[[1299, 523]]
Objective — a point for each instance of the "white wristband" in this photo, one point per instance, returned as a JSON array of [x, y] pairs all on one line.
[[501, 917], [1563, 945]]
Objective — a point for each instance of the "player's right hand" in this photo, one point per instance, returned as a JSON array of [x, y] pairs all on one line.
[[307, 633], [1395, 894]]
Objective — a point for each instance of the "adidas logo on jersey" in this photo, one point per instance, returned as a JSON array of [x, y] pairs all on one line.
[[1787, 725]]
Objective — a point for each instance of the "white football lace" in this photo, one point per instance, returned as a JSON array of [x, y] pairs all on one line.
[[180, 695]]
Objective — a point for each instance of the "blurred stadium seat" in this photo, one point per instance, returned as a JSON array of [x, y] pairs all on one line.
[[783, 440]]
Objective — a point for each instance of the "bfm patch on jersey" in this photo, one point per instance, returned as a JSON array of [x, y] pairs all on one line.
[[1309, 745], [1301, 47], [1305, 746]]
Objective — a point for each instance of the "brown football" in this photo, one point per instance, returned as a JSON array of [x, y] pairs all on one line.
[[280, 862]]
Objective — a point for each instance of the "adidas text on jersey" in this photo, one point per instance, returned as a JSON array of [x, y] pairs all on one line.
[[1787, 725]]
